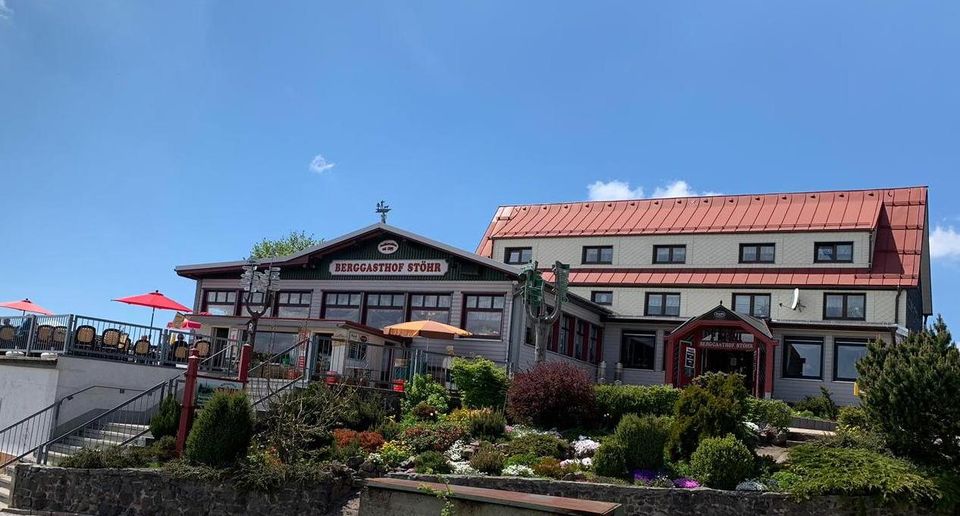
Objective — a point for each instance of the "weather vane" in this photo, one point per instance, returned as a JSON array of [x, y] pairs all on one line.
[[383, 209]]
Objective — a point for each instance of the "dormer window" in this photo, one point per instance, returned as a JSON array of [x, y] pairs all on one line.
[[833, 252], [758, 253], [669, 254], [598, 254], [518, 255]]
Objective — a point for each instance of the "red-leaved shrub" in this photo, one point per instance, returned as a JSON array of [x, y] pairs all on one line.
[[552, 394], [368, 441], [344, 436]]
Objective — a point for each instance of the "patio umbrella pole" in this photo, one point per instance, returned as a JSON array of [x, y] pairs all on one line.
[[153, 311]]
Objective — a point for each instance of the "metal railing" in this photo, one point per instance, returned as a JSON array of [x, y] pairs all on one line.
[[35, 333], [282, 371]]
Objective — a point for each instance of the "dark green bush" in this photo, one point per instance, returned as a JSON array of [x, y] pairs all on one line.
[[436, 437], [814, 470], [610, 459], [160, 451], [540, 445], [488, 459], [821, 405], [644, 440], [722, 462], [390, 429], [771, 412], [486, 424], [363, 409], [221, 434], [524, 459], [425, 412], [431, 462], [713, 405], [911, 392], [482, 384], [614, 401], [167, 419], [548, 467], [424, 389], [552, 395]]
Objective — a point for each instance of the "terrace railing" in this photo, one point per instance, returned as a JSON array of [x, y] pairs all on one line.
[[279, 372], [79, 335]]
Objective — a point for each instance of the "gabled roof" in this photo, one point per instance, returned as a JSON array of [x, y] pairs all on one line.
[[896, 216], [758, 324], [192, 271]]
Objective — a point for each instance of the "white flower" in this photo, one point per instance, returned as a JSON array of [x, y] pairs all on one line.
[[375, 458], [586, 462], [455, 452], [463, 468], [517, 470], [752, 426], [585, 447]]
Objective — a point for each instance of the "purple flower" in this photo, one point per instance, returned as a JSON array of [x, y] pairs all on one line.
[[686, 483], [644, 475]]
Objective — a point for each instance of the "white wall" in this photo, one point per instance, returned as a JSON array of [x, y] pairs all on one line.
[[27, 385]]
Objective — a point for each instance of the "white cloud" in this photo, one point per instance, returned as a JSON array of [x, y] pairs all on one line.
[[319, 163], [5, 11], [617, 190], [612, 191], [944, 242]]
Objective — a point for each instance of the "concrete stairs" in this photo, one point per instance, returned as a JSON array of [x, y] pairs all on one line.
[[6, 486], [104, 436]]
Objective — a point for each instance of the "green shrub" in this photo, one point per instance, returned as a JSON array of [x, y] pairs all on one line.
[[548, 467], [431, 462], [610, 459], [771, 412], [854, 437], [524, 459], [424, 389], [390, 429], [852, 417], [436, 437], [394, 453], [821, 405], [552, 395], [167, 419], [614, 401], [814, 470], [644, 440], [721, 462], [486, 424], [713, 405], [221, 434], [363, 409], [539, 445], [488, 459], [910, 392], [481, 383], [160, 451], [425, 412]]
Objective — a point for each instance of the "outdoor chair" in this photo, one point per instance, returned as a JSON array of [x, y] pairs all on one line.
[[181, 351], [60, 336], [203, 348], [124, 343], [142, 347], [44, 334], [110, 340], [8, 334], [84, 337]]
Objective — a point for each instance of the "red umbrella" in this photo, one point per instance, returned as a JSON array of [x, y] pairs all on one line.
[[26, 306], [154, 300]]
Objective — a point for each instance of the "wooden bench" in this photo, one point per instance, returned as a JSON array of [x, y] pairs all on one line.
[[398, 497]]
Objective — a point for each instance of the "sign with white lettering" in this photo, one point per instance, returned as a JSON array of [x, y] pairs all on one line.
[[388, 267], [727, 346], [388, 247]]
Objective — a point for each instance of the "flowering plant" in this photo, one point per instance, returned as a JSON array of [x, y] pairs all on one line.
[[585, 447], [577, 464], [686, 483], [463, 468], [517, 470], [455, 452]]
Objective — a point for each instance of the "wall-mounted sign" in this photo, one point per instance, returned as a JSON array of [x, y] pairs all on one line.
[[689, 357], [388, 247], [388, 267], [727, 346], [207, 386]]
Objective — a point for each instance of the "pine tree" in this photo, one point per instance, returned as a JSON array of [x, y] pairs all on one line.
[[911, 393]]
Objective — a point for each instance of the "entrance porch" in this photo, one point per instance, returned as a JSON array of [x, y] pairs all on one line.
[[722, 340]]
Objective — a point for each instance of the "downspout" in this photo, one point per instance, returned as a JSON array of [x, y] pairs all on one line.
[[896, 314]]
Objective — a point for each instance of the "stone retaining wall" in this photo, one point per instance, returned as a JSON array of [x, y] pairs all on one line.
[[649, 501], [135, 492]]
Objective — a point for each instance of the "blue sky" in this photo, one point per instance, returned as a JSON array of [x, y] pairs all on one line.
[[135, 136]]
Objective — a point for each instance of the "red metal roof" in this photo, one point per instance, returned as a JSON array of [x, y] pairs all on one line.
[[895, 215]]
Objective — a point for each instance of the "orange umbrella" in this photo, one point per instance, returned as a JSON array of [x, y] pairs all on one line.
[[429, 329], [26, 306]]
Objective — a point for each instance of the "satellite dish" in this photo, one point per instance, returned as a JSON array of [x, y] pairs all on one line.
[[796, 299]]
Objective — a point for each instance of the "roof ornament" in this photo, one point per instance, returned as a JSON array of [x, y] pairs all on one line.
[[383, 209]]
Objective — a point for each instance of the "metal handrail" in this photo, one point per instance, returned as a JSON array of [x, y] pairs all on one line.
[[281, 353]]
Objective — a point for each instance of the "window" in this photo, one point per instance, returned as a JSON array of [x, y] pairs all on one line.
[[602, 297], [663, 304], [757, 305], [833, 252], [802, 357], [595, 346], [580, 340], [758, 253], [845, 306], [565, 335], [669, 254], [357, 351], [483, 315], [518, 255], [384, 310], [430, 307], [637, 350], [846, 353], [598, 254], [342, 305], [220, 302], [294, 304]]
